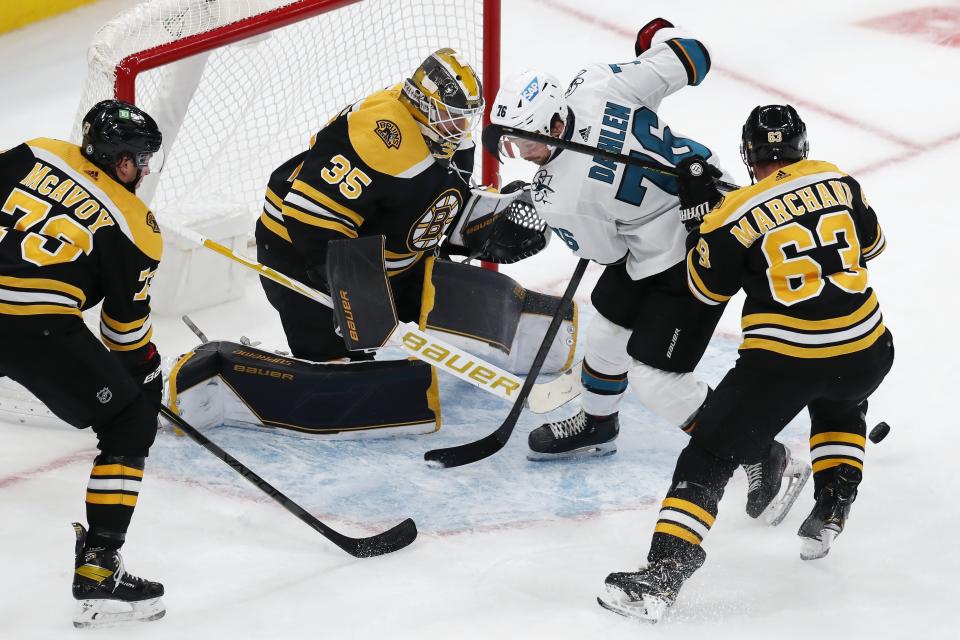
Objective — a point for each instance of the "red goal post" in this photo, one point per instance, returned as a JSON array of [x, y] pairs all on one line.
[[238, 86]]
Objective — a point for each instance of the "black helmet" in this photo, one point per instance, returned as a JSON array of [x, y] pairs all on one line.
[[113, 129], [773, 132]]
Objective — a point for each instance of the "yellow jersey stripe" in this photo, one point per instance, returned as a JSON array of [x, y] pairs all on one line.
[[275, 227], [45, 284], [37, 309], [112, 498], [122, 327], [326, 201], [815, 352], [849, 320], [837, 436], [829, 463], [693, 509], [116, 470], [677, 531], [314, 221], [701, 287], [274, 198]]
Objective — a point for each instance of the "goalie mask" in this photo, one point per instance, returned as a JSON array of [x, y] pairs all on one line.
[[531, 101], [445, 97]]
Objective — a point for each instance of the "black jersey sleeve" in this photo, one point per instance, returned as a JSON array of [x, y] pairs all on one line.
[[126, 275], [872, 240], [715, 262]]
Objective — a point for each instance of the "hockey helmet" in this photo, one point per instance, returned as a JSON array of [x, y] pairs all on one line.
[[773, 132], [529, 101], [445, 97], [113, 129]]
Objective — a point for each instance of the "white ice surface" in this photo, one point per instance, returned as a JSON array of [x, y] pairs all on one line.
[[514, 549]]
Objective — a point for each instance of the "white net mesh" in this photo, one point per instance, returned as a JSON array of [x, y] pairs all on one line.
[[230, 116]]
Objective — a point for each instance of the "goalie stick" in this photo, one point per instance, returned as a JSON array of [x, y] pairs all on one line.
[[377, 545], [409, 337], [493, 132], [485, 447]]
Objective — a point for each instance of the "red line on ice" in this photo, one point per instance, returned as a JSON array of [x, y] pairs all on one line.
[[911, 149], [58, 463]]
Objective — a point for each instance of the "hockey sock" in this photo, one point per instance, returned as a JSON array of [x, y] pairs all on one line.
[[602, 392], [829, 449], [690, 508], [111, 497]]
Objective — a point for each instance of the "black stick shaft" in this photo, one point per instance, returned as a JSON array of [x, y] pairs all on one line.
[[489, 445], [386, 542], [493, 132]]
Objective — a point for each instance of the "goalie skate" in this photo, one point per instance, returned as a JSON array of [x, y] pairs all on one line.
[[767, 497]]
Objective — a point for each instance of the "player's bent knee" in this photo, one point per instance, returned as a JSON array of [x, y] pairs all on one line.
[[607, 345], [131, 432], [672, 396]]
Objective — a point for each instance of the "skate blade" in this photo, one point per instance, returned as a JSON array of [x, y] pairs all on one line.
[[650, 609], [814, 549], [796, 474], [108, 613], [593, 451]]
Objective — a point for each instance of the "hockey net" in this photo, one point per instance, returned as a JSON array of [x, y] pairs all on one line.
[[239, 86]]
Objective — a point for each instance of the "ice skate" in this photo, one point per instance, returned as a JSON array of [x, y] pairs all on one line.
[[765, 499], [829, 514], [645, 594], [107, 594], [579, 435]]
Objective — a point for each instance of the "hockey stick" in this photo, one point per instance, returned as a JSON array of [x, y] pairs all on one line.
[[485, 447], [493, 132], [407, 336], [387, 542]]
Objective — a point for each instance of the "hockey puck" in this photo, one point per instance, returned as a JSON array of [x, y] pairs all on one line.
[[879, 432]]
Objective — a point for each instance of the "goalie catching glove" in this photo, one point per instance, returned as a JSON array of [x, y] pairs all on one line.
[[507, 235]]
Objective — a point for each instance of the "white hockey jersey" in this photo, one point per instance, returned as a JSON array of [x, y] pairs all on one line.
[[607, 211]]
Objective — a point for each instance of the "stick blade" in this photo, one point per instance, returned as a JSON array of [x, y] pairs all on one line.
[[464, 453], [389, 541]]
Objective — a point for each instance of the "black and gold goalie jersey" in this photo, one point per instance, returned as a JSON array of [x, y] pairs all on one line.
[[367, 172], [797, 242], [71, 236]]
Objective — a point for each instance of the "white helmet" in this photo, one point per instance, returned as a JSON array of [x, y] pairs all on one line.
[[529, 101]]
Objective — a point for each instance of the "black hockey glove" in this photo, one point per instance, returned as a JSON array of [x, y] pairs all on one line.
[[697, 180], [518, 233], [645, 35], [145, 369]]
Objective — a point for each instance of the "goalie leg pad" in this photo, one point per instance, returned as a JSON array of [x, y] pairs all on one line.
[[228, 383]]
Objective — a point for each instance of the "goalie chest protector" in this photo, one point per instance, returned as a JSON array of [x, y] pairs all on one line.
[[224, 383]]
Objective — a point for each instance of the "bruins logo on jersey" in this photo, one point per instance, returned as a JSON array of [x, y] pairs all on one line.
[[152, 222], [389, 132], [428, 229]]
